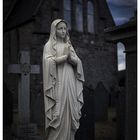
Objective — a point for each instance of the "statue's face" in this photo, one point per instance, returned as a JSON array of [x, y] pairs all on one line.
[[61, 30]]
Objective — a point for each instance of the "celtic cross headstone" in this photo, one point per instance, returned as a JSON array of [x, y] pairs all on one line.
[[24, 69]]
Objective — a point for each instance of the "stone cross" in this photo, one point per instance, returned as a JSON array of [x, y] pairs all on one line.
[[24, 69]]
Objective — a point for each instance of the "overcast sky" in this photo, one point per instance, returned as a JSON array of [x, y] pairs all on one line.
[[122, 11], [121, 56]]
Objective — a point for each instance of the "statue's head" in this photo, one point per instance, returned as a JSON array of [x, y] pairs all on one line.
[[59, 29]]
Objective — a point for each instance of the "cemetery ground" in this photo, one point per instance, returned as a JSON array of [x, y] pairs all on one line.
[[106, 130]]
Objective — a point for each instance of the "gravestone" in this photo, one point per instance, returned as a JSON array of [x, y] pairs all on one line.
[[87, 125], [113, 99], [120, 108], [25, 130], [101, 101]]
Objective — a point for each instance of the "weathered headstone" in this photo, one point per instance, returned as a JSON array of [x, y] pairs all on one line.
[[24, 130], [87, 125], [101, 101], [120, 108], [112, 99]]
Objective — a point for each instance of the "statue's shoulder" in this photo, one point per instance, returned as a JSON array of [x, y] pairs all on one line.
[[47, 46]]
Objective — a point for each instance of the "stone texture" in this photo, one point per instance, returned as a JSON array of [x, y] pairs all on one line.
[[101, 102]]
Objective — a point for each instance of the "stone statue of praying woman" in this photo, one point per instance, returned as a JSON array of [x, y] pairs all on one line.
[[63, 80]]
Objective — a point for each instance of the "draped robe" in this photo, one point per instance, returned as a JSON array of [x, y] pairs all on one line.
[[63, 97]]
